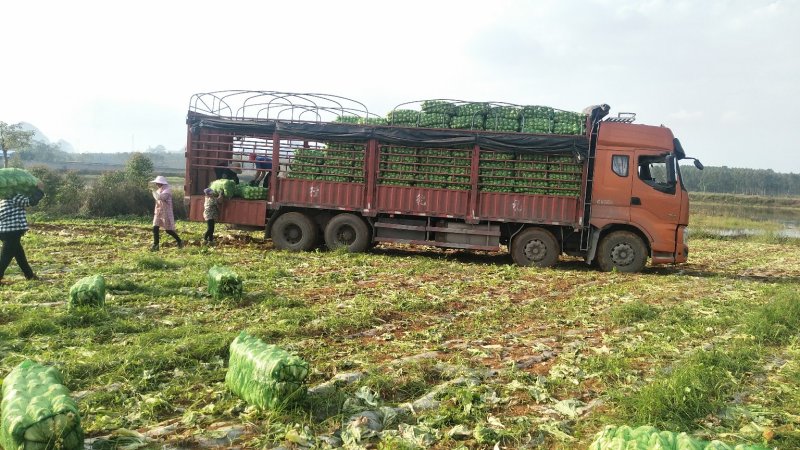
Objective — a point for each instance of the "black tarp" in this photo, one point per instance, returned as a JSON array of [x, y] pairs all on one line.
[[411, 137]]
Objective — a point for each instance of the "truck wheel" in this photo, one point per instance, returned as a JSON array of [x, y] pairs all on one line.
[[622, 250], [295, 232], [535, 246], [347, 230]]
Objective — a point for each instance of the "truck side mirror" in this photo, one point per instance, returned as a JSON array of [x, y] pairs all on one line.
[[698, 164], [670, 160]]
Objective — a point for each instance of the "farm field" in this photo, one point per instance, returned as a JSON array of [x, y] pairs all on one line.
[[447, 349]]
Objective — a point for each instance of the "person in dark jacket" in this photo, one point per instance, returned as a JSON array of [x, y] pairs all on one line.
[[228, 171], [13, 225]]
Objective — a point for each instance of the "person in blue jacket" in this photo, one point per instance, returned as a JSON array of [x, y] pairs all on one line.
[[263, 165]]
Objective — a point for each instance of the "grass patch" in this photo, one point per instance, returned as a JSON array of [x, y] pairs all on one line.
[[693, 388], [632, 312], [778, 321]]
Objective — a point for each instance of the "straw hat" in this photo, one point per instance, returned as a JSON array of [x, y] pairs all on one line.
[[160, 180]]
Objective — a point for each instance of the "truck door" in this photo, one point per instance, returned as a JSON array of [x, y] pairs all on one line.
[[612, 186], [655, 200]]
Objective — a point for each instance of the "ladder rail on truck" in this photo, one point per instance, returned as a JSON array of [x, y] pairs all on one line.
[[354, 183]]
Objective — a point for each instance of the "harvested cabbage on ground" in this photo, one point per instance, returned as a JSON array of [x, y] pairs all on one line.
[[264, 375], [649, 438], [224, 282], [88, 291], [37, 411]]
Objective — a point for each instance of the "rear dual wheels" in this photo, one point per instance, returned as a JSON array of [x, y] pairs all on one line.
[[535, 247], [295, 232], [623, 251], [348, 231]]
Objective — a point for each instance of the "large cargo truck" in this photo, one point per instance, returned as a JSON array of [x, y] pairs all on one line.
[[606, 189]]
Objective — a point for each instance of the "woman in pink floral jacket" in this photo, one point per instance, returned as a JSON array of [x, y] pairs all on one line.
[[163, 217]]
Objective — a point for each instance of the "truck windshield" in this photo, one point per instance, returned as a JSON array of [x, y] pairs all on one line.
[[653, 170]]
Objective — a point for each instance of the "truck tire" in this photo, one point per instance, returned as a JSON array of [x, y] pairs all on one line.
[[347, 230], [535, 246], [295, 232], [621, 250]]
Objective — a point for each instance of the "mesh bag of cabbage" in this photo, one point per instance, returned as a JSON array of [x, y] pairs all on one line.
[[264, 375], [89, 291], [37, 411], [225, 187], [15, 181], [647, 438], [224, 282]]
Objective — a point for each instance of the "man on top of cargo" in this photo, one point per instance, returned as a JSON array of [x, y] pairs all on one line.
[[14, 224]]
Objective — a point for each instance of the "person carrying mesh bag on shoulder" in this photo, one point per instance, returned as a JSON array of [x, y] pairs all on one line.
[[163, 216], [13, 225]]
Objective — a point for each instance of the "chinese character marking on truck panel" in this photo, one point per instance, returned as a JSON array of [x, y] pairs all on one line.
[[313, 191], [516, 206], [421, 200]]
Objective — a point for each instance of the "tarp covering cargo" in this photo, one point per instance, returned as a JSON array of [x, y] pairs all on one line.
[[649, 438], [224, 282], [15, 181], [518, 142], [264, 375], [37, 411], [89, 291]]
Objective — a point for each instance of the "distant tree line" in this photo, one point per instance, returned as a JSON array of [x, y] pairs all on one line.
[[727, 180], [39, 151]]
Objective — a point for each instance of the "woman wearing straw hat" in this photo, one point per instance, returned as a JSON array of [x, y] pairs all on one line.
[[163, 217]]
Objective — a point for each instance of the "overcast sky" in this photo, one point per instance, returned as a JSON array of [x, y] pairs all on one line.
[[118, 76]]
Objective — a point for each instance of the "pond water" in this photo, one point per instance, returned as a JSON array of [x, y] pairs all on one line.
[[786, 219]]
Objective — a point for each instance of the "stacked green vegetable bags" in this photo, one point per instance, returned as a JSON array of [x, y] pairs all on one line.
[[15, 181], [264, 375], [88, 291], [37, 411], [225, 187]]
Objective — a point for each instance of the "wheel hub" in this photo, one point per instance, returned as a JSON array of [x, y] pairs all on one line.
[[535, 250], [346, 235], [622, 255], [293, 234]]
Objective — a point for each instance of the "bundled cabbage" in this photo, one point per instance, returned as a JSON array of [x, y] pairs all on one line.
[[89, 291], [37, 411], [254, 192], [224, 282], [15, 181], [649, 438], [225, 187], [264, 375]]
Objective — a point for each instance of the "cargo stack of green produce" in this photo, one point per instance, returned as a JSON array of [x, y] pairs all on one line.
[[503, 118], [649, 438], [37, 411], [238, 191], [403, 118], [343, 162], [565, 122], [397, 166], [88, 291], [356, 120], [436, 114], [536, 119], [264, 375], [224, 282], [306, 164], [348, 119], [531, 170], [443, 168], [564, 176], [227, 188], [469, 116], [496, 170], [15, 181], [254, 192]]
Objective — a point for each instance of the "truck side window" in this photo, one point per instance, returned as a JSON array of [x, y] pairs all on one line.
[[619, 164], [653, 171]]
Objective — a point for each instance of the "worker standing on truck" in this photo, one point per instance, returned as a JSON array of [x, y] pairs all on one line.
[[14, 224], [263, 164], [228, 171]]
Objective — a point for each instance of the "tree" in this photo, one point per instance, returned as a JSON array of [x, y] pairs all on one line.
[[13, 136], [139, 169]]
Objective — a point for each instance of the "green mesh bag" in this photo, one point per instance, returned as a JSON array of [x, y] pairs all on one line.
[[264, 375], [37, 411], [15, 181], [254, 192], [649, 438], [89, 291], [225, 187], [224, 282]]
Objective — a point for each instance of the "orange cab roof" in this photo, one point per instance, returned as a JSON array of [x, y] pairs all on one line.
[[636, 136]]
